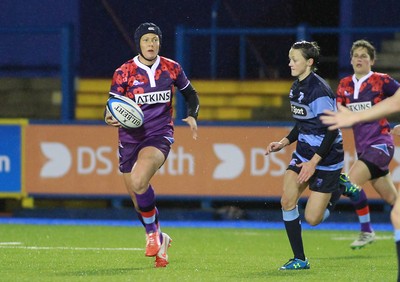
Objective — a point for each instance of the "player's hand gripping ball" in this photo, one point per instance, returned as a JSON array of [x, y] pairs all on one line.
[[125, 111]]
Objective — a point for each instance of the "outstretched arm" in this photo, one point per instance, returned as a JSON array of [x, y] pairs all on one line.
[[345, 118], [191, 121], [192, 104], [286, 141]]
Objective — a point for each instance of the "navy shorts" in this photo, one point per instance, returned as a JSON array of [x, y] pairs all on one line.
[[128, 152], [323, 181], [377, 159]]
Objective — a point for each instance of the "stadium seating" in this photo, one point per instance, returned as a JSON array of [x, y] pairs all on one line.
[[220, 100], [236, 100]]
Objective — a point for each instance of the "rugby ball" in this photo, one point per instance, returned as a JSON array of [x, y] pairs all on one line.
[[125, 111]]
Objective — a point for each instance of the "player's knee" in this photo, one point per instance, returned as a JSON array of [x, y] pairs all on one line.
[[391, 199], [138, 185], [287, 204], [312, 219], [395, 217]]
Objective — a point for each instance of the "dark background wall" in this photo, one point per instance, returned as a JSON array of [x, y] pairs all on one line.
[[104, 30], [110, 43], [27, 48]]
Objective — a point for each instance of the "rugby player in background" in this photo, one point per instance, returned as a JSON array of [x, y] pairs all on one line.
[[373, 141], [346, 118]]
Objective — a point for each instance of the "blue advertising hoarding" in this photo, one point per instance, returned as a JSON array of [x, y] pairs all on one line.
[[10, 159]]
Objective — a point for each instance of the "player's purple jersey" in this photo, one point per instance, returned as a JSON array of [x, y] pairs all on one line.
[[152, 88], [359, 95]]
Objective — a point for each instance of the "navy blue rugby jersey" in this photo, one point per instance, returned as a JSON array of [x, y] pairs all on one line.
[[308, 99]]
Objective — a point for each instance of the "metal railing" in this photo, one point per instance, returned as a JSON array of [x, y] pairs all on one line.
[[183, 50], [301, 32]]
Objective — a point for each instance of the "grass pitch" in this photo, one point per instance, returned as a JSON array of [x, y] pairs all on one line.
[[116, 253]]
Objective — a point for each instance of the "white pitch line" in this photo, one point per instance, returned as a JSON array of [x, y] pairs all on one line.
[[10, 243], [68, 248], [343, 238]]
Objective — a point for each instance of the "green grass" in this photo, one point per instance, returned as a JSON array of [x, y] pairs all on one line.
[[78, 253]]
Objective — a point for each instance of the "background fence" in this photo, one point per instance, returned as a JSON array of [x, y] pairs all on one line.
[[57, 59]]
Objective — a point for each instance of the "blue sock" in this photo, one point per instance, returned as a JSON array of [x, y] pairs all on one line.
[[397, 235]]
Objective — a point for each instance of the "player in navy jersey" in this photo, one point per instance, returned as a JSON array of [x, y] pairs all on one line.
[[373, 141], [150, 80], [345, 118], [318, 159]]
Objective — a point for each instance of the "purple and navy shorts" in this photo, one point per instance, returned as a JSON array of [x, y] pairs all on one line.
[[128, 152], [323, 181], [377, 158]]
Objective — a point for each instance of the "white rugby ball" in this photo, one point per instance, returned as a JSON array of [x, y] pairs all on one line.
[[125, 111]]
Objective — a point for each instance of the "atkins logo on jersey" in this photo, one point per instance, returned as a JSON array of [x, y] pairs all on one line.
[[153, 97], [358, 107]]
